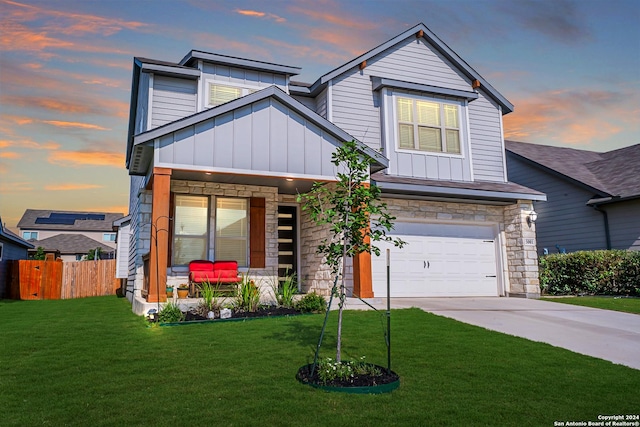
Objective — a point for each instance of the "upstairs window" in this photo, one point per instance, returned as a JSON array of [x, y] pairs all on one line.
[[30, 235], [220, 94], [108, 237], [428, 126]]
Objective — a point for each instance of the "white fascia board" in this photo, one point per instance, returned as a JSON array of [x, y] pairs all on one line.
[[378, 83], [166, 70], [240, 62]]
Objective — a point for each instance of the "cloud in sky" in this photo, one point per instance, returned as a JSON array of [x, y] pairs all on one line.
[[78, 125], [68, 105], [560, 20], [71, 187], [87, 158], [15, 187], [569, 116], [10, 155], [257, 14], [28, 144]]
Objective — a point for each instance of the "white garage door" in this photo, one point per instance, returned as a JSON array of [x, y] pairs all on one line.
[[439, 260]]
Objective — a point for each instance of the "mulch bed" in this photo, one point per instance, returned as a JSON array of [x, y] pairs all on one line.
[[260, 312], [304, 375]]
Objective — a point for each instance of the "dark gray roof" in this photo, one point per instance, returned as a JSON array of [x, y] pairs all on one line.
[[8, 235], [613, 174], [71, 244], [41, 219], [476, 190]]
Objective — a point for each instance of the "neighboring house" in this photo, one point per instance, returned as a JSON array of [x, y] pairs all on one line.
[[593, 199], [73, 247], [12, 247], [219, 146], [69, 232]]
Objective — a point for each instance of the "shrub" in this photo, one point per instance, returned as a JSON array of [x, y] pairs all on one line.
[[312, 303], [170, 313], [612, 272]]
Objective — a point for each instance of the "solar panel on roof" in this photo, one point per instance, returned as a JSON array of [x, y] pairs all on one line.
[[60, 218]]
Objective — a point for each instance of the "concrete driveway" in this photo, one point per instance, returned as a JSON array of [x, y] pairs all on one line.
[[604, 334]]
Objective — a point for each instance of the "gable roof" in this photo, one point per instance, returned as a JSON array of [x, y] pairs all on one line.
[[8, 235], [438, 44], [142, 149], [612, 174], [45, 219], [72, 244]]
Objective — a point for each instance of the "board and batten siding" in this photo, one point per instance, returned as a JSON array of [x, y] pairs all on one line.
[[264, 137], [485, 133], [173, 99], [564, 219], [122, 252], [624, 224]]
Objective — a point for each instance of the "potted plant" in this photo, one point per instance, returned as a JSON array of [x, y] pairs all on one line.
[[183, 290], [169, 290]]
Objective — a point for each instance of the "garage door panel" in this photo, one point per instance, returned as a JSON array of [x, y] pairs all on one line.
[[456, 261]]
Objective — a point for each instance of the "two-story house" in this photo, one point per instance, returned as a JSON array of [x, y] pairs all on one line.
[[219, 147], [69, 234]]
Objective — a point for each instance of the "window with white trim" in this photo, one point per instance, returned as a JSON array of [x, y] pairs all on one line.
[[190, 229], [232, 226], [428, 125], [219, 94], [108, 237]]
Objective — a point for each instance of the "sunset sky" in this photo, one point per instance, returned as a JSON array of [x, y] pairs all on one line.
[[571, 68]]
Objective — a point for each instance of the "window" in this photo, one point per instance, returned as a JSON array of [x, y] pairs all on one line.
[[190, 232], [1, 251], [428, 125], [231, 230], [220, 94], [30, 235], [108, 237]]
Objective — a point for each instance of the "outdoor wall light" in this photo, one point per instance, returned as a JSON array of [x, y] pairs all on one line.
[[152, 315], [532, 218]]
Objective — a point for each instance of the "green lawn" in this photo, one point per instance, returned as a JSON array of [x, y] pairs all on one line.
[[627, 305], [92, 362]]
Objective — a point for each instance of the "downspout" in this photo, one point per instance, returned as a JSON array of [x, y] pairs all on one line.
[[607, 234]]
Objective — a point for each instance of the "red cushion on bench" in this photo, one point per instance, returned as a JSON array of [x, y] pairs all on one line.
[[226, 271]]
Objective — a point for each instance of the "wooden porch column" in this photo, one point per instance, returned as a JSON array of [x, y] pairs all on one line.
[[362, 282], [161, 187]]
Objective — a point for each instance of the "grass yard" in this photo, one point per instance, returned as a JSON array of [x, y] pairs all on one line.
[[627, 305], [92, 362]]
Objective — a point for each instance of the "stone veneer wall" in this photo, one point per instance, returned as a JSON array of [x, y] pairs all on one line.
[[520, 268], [522, 254]]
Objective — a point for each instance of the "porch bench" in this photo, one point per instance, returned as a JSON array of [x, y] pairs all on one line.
[[221, 274]]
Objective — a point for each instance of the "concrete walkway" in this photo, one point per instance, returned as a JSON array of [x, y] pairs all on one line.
[[604, 334]]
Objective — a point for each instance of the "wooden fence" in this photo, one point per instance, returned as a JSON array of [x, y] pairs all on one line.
[[62, 280]]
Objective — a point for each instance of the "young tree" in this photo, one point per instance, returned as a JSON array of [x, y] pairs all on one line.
[[354, 213]]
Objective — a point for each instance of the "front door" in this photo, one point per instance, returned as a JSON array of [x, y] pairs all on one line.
[[287, 241]]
